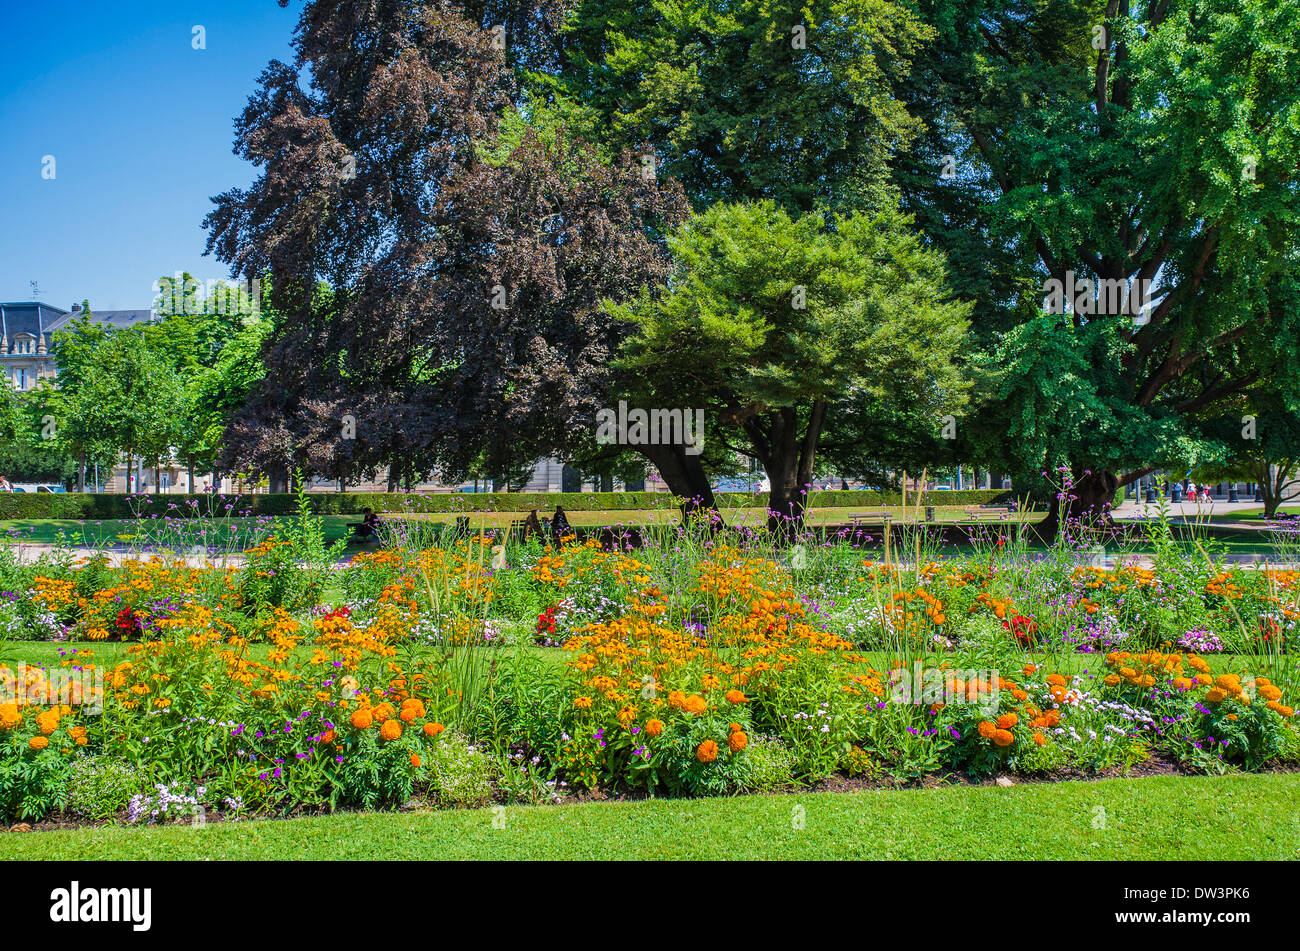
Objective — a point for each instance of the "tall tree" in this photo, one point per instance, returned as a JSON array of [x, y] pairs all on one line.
[[436, 283], [773, 325], [789, 100], [1105, 145]]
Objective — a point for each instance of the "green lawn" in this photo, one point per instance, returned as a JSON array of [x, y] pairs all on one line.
[[94, 533], [110, 653], [1169, 817], [128, 532]]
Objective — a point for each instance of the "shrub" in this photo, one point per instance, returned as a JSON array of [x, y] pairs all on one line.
[[769, 766], [460, 775], [100, 787], [31, 786]]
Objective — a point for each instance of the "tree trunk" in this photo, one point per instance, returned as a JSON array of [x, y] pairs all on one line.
[[278, 479], [1275, 479], [1271, 498], [81, 473], [787, 458], [1087, 505], [685, 477]]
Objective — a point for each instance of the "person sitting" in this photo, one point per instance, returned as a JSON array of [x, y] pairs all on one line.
[[559, 525], [368, 528]]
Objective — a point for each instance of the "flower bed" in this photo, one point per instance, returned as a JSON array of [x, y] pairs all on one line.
[[467, 673]]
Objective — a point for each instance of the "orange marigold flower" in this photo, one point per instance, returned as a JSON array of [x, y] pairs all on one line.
[[38, 742], [1003, 738], [391, 729], [707, 751], [415, 760], [1039, 739], [1007, 721], [737, 741], [735, 696], [361, 719], [987, 729], [433, 729], [1215, 695], [695, 704], [654, 727]]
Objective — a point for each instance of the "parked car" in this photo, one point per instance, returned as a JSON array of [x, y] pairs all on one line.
[[38, 487]]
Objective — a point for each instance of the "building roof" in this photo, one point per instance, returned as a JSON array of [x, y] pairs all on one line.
[[28, 317], [118, 319]]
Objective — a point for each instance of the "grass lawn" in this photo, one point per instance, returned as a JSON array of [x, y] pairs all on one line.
[[125, 532], [1167, 817], [94, 533], [109, 653]]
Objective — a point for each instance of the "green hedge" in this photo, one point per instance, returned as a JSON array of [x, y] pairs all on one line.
[[77, 505]]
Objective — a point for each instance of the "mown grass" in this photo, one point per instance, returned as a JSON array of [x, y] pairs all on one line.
[[108, 653], [118, 532], [124, 533], [1167, 817]]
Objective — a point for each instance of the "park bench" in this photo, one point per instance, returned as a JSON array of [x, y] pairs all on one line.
[[872, 518], [977, 512]]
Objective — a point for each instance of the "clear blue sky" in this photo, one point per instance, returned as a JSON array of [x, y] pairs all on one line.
[[140, 125]]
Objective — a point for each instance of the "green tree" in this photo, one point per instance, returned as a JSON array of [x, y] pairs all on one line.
[[773, 325], [789, 100], [1116, 147]]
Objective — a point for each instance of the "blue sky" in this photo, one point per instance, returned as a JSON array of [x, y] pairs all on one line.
[[140, 126]]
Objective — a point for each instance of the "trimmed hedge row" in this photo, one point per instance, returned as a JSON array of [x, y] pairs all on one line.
[[78, 505]]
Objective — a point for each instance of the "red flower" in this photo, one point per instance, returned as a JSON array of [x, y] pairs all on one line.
[[127, 623], [1023, 627]]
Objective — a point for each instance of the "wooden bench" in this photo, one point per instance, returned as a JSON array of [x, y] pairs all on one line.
[[979, 512], [883, 518]]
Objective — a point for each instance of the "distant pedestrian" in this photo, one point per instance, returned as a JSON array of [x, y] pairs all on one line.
[[4, 485]]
